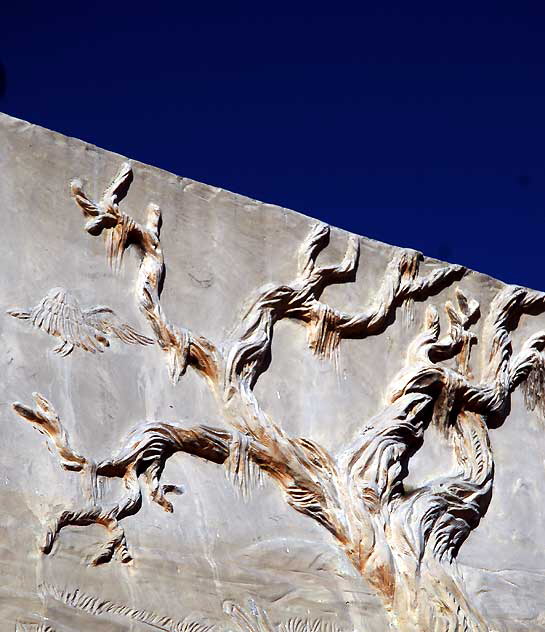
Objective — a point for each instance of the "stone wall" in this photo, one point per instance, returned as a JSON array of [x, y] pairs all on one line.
[[250, 421]]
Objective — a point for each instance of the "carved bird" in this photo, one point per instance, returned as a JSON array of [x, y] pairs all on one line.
[[59, 314]]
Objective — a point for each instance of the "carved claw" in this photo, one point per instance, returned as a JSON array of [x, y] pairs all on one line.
[[158, 496], [103, 556], [173, 489], [116, 545], [48, 542]]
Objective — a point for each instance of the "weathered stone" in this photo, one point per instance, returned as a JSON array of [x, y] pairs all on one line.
[[378, 465]]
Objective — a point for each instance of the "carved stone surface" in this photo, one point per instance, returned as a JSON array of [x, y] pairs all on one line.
[[308, 431]]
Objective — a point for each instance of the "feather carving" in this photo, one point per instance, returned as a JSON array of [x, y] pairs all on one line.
[[59, 314]]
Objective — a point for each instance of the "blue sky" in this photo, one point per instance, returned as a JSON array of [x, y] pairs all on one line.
[[420, 124]]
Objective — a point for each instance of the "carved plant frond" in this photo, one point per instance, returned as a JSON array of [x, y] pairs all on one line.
[[98, 607], [308, 625], [255, 619], [252, 619]]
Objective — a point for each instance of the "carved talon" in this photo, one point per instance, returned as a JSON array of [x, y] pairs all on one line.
[[125, 556], [173, 489], [48, 542], [106, 555], [165, 504], [102, 557], [158, 496]]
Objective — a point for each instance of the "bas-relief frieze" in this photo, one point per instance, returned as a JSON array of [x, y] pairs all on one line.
[[404, 542]]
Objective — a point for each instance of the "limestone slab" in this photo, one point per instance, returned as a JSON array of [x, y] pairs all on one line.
[[219, 414]]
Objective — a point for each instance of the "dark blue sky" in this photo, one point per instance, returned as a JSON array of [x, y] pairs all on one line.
[[421, 124]]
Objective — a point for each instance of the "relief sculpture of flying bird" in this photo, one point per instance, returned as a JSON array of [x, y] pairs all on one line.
[[59, 314]]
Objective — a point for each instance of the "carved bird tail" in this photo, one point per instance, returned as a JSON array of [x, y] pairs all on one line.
[[18, 312]]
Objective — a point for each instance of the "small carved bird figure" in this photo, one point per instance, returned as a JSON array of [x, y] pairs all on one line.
[[59, 314]]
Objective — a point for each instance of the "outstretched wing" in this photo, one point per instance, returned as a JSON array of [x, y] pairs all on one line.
[[59, 314], [106, 321]]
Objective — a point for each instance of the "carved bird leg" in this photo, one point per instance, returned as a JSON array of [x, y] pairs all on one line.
[[108, 517], [158, 491]]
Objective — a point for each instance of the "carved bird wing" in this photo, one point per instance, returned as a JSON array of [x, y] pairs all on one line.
[[59, 314], [105, 320]]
